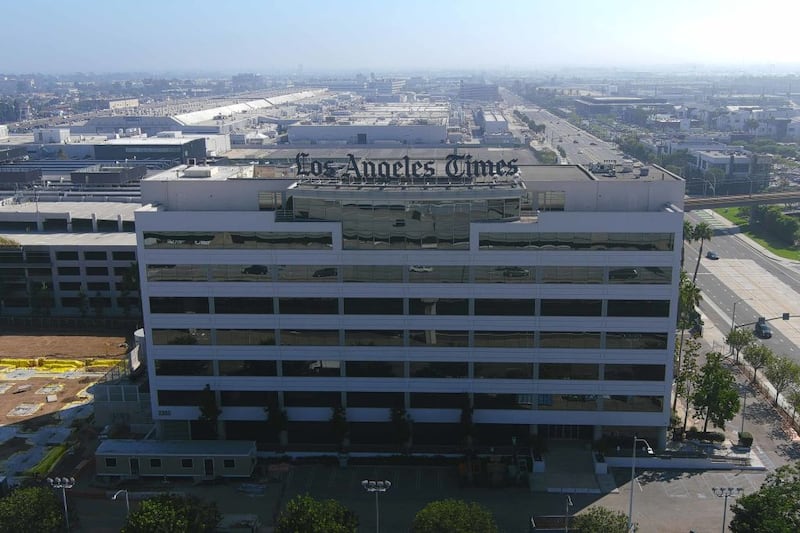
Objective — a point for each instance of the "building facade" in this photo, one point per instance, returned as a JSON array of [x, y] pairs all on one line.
[[540, 303]]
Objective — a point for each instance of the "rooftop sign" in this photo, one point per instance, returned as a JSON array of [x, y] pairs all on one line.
[[456, 166]]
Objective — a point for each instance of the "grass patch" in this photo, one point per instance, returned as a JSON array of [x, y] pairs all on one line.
[[48, 461], [737, 216]]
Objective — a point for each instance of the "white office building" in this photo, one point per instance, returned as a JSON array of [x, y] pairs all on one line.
[[544, 300]]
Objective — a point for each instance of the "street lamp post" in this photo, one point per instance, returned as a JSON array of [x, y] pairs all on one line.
[[377, 487], [63, 483], [725, 492], [566, 514], [633, 477], [127, 500], [733, 313]]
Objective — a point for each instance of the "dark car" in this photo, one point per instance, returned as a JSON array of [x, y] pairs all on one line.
[[514, 272], [712, 255], [762, 329], [258, 270], [325, 273]]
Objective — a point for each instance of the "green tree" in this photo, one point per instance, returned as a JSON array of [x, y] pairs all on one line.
[[173, 514], [454, 516], [688, 299], [739, 339], [686, 374], [715, 397], [701, 232], [782, 372], [31, 510], [774, 508], [759, 356], [688, 236], [304, 514], [209, 410], [599, 519]]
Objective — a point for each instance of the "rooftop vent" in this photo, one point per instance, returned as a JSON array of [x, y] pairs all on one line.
[[199, 172]]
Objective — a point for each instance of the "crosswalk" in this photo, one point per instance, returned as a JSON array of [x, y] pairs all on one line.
[[708, 216]]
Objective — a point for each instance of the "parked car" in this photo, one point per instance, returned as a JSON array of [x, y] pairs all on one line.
[[325, 273], [259, 270], [762, 329], [712, 255]]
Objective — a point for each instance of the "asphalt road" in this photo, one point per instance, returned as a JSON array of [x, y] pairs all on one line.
[[756, 282]]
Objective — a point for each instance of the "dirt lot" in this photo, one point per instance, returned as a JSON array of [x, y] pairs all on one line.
[[60, 346], [16, 392]]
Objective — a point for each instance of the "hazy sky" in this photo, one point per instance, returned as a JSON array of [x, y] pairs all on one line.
[[385, 35]]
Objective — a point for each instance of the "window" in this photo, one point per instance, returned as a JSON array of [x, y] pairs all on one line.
[[174, 304], [571, 307], [123, 256], [308, 306], [491, 307], [242, 306], [70, 286], [111, 462], [634, 372], [374, 369], [503, 339], [246, 337], [67, 256], [95, 256], [248, 398], [503, 370], [312, 399], [187, 463], [373, 306], [438, 400], [458, 339], [437, 306], [155, 463], [568, 371], [432, 369], [69, 271], [373, 337], [569, 339], [375, 399], [96, 271], [229, 463], [247, 367], [183, 367], [636, 341], [631, 308], [312, 368]]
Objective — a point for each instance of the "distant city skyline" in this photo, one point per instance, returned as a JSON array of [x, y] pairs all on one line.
[[356, 35]]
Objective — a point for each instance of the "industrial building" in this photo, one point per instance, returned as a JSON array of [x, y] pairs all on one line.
[[539, 301]]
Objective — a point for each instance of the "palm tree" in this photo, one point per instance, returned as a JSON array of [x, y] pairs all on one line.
[[702, 232], [688, 299], [688, 236]]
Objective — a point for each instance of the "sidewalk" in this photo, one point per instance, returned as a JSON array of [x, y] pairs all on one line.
[[775, 442]]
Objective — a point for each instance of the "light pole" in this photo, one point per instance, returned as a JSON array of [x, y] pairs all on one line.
[[127, 500], [633, 476], [63, 483], [725, 492], [377, 487], [733, 313], [566, 514]]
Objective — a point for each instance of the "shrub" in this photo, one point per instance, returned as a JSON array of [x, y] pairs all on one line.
[[745, 439]]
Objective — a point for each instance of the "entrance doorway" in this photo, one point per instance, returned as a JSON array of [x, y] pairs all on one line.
[[209, 467], [569, 432]]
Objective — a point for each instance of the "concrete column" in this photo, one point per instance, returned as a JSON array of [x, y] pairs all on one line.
[[94, 222]]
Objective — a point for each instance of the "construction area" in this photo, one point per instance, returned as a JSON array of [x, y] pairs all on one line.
[[44, 394]]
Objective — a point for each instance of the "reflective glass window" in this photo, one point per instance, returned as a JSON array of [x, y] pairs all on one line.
[[183, 367], [174, 304], [373, 306], [248, 398], [373, 337], [571, 274], [312, 368], [438, 400], [372, 273], [437, 306], [497, 307], [247, 367], [176, 273], [181, 336], [503, 274], [374, 369], [503, 339], [434, 369], [439, 338], [315, 273], [246, 337], [375, 399], [503, 370], [308, 306], [312, 399], [179, 397], [571, 307], [636, 341], [569, 339], [634, 372], [647, 404], [309, 337], [503, 401], [438, 274], [568, 371], [234, 305], [568, 402], [639, 308]]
